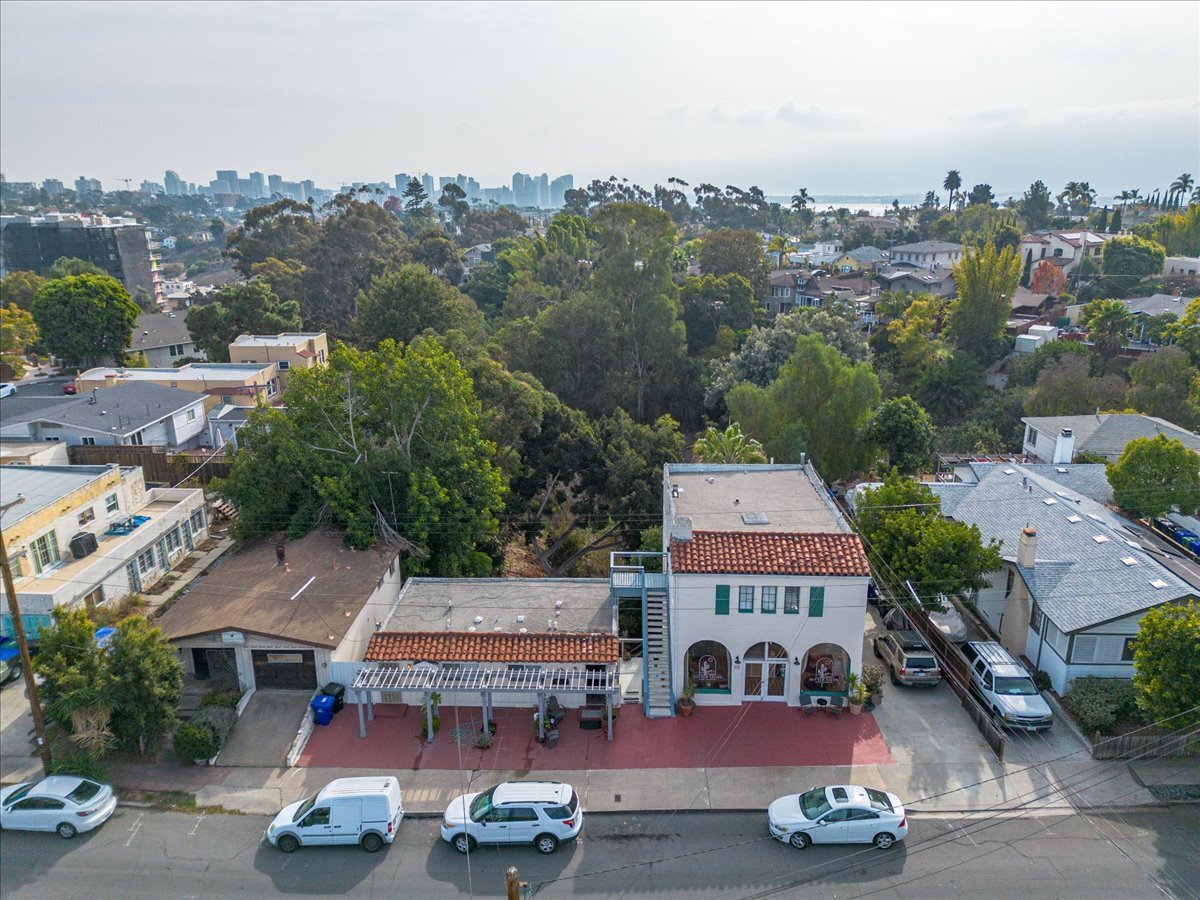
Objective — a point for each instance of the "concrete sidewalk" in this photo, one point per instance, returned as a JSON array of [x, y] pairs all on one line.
[[928, 788]]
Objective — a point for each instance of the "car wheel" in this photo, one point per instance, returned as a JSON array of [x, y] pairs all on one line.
[[66, 830], [799, 840], [875, 647], [372, 843], [288, 843], [884, 839], [546, 843], [892, 673], [464, 843]]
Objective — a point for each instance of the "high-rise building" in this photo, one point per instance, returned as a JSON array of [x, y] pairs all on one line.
[[427, 183], [88, 186], [274, 184], [119, 247], [524, 192], [473, 190], [541, 186], [230, 177], [221, 186], [171, 183], [558, 190], [258, 187], [444, 180], [245, 188], [151, 187], [53, 187], [402, 179], [308, 191]]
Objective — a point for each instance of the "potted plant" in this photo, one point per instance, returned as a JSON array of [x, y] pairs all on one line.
[[483, 741], [686, 704], [856, 693], [873, 681], [196, 742]]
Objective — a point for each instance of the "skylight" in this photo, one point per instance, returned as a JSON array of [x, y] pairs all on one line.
[[1095, 517], [1100, 539], [1158, 583], [1049, 501], [1061, 470], [755, 518], [1010, 471], [1074, 519], [1129, 561]]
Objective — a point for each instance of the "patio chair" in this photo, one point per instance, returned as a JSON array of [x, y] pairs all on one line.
[[807, 706], [836, 705]]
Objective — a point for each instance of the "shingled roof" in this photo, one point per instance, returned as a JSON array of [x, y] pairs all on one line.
[[471, 646], [769, 553]]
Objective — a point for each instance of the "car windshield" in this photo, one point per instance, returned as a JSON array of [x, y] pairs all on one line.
[[85, 792], [304, 808], [1020, 687], [879, 800], [813, 803], [18, 794], [482, 805]]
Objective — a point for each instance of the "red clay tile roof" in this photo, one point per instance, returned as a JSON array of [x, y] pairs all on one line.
[[769, 553], [307, 354], [470, 646]]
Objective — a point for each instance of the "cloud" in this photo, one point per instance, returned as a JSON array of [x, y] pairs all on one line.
[[809, 115]]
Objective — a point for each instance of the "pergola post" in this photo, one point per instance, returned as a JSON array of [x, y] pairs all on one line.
[[362, 725], [608, 707], [428, 718], [541, 716], [370, 706]]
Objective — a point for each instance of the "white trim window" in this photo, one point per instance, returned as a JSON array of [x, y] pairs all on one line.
[[44, 552], [112, 503]]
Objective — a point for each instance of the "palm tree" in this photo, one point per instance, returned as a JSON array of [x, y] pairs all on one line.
[[800, 199], [783, 246], [728, 446], [952, 183], [1125, 197], [1109, 323], [1195, 198], [1182, 184]]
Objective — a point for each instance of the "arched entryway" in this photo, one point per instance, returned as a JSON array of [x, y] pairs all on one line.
[[765, 666], [708, 667], [825, 669]]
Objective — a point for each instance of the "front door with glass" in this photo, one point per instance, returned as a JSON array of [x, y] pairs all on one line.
[[766, 672]]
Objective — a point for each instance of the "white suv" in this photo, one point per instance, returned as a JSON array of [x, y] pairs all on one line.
[[1005, 688], [542, 813]]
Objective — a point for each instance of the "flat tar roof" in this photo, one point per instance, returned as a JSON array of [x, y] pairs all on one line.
[[717, 497]]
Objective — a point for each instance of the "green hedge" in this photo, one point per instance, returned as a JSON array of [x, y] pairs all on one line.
[[1098, 704]]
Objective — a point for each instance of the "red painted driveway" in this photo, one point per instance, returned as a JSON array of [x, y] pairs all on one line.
[[754, 734]]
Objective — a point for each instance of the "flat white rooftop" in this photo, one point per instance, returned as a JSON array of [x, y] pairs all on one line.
[[190, 372], [275, 340], [752, 498]]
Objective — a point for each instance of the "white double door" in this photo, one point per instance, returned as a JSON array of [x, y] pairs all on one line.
[[765, 668]]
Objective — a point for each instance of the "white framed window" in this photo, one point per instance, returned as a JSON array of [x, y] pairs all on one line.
[[284, 365], [173, 540], [112, 503], [137, 439], [145, 560], [197, 521], [769, 594], [1084, 648], [746, 598], [191, 415], [272, 389], [86, 515], [88, 441], [175, 350]]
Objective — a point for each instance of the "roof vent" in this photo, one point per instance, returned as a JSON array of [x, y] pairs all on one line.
[[1049, 501], [497, 629], [1074, 519], [523, 630], [1061, 470], [1010, 471], [470, 628], [1100, 538], [478, 619], [755, 518], [520, 619]]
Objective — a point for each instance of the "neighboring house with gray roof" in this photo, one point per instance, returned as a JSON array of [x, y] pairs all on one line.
[[1154, 305], [133, 413], [1075, 583], [165, 339], [926, 254], [918, 281], [1057, 439]]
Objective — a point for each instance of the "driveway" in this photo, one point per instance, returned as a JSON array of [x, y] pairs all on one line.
[[264, 733], [18, 752]]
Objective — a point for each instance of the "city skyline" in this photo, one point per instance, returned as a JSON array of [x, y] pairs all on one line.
[[875, 100]]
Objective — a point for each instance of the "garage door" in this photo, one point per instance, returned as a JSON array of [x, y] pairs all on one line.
[[285, 669]]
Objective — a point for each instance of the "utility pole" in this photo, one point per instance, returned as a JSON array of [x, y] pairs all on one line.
[[513, 883], [35, 703]]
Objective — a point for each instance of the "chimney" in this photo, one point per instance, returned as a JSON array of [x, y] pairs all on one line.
[[1027, 548], [1064, 447]]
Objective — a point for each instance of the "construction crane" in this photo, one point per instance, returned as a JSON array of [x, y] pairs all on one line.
[[128, 182]]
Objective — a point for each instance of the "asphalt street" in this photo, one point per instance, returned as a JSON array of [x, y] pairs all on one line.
[[144, 853]]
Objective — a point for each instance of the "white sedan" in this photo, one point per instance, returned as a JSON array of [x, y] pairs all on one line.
[[839, 814], [66, 804]]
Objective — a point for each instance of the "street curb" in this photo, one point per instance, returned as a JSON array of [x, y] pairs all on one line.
[[135, 804]]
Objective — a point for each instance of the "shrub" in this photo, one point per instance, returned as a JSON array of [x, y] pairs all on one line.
[[195, 741], [1099, 703], [483, 741], [229, 699], [1041, 680], [218, 719], [81, 764]]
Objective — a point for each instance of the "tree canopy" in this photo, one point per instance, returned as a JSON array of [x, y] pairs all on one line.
[[402, 304], [248, 307], [985, 279], [905, 432], [1166, 665], [84, 318], [1154, 475], [385, 444]]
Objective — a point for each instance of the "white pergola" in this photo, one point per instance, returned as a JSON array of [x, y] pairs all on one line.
[[486, 680]]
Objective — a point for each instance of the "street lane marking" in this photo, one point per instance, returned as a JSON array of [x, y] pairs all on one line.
[[134, 829], [192, 833]]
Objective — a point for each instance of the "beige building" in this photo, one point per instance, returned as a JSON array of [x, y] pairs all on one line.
[[239, 384], [91, 534], [288, 350]]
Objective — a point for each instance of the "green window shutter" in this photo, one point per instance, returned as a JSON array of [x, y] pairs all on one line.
[[816, 602], [722, 600]]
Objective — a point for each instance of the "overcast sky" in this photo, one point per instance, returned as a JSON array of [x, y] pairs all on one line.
[[855, 98]]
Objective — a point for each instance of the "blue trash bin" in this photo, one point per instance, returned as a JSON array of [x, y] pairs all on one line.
[[322, 707]]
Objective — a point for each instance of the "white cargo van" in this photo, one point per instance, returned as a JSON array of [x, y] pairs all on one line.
[[363, 811]]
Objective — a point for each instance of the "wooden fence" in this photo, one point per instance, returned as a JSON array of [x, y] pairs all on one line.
[[1146, 746], [159, 465]]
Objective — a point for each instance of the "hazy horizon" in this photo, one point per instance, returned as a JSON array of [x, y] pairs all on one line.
[[863, 99]]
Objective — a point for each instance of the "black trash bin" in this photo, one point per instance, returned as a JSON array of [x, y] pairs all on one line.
[[337, 692]]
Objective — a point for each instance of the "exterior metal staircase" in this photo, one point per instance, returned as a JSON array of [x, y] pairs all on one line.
[[631, 580]]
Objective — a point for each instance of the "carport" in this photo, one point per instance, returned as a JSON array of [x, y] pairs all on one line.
[[485, 681]]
